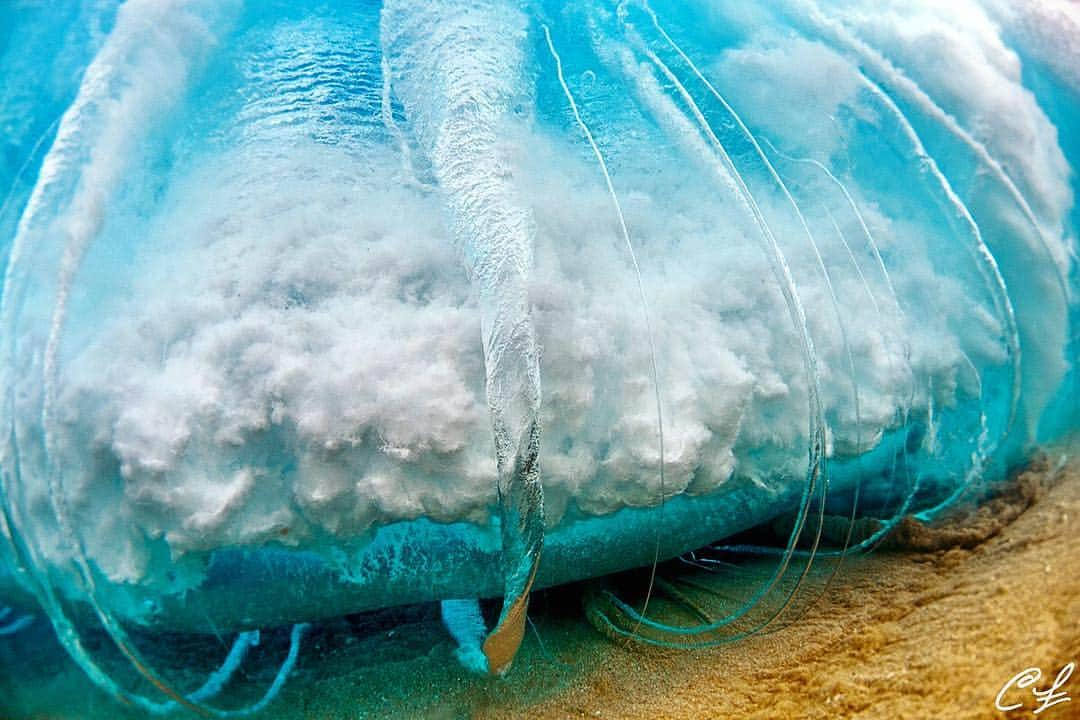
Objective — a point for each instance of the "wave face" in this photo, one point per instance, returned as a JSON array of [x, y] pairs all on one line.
[[439, 300]]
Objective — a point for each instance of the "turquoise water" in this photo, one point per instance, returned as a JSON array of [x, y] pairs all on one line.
[[320, 308]]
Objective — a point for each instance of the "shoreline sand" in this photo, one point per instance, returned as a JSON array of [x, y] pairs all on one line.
[[930, 632], [931, 625]]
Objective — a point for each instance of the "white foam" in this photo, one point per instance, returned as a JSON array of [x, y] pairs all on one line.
[[958, 56], [298, 357]]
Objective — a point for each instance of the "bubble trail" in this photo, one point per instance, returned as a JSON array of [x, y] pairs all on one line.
[[643, 299], [459, 84], [816, 470], [84, 165]]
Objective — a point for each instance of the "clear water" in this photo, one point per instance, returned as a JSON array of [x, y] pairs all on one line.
[[319, 308]]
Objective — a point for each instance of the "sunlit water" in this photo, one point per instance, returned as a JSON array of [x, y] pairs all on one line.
[[313, 309]]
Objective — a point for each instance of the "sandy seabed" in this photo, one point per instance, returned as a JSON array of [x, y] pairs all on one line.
[[930, 632], [932, 625]]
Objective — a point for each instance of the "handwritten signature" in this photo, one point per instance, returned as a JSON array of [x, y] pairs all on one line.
[[1044, 698]]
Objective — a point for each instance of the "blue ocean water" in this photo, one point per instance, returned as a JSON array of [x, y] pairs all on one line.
[[315, 308]]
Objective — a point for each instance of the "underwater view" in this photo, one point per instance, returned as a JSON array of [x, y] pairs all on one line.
[[521, 358]]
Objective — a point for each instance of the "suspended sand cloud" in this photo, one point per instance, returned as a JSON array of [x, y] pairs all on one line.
[[447, 301]]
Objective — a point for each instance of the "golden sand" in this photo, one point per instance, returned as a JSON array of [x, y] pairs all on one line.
[[933, 632], [930, 626]]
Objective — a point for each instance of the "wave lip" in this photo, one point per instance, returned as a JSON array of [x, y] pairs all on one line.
[[441, 301]]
